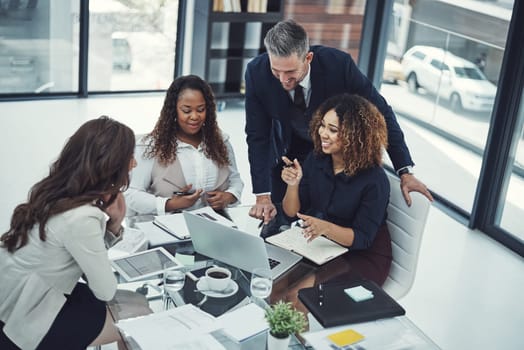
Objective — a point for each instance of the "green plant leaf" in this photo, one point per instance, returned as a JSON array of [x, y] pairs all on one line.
[[284, 319]]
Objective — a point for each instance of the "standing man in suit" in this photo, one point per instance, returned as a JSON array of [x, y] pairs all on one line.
[[284, 87]]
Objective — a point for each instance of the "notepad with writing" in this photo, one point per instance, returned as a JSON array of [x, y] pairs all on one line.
[[320, 250], [338, 308]]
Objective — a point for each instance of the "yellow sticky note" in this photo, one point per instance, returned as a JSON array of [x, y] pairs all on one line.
[[346, 337]]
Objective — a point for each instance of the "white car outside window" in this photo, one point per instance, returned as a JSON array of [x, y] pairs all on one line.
[[451, 77]]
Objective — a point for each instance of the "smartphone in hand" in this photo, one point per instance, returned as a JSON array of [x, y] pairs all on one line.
[[182, 193]]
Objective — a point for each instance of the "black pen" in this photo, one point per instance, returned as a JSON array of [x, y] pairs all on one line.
[[320, 294]]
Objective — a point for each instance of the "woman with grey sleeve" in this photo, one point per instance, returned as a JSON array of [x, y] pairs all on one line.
[[62, 234]]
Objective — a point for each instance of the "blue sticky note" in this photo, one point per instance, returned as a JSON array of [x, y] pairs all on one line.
[[359, 293]]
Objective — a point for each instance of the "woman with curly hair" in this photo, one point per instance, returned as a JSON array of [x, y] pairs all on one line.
[[62, 233], [342, 191], [186, 162]]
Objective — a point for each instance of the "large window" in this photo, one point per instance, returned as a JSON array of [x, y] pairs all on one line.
[[450, 73], [131, 44], [441, 76], [37, 50]]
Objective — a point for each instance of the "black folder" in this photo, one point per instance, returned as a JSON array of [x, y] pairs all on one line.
[[337, 308]]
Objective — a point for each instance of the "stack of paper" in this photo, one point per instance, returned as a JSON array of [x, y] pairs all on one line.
[[175, 224], [236, 324], [156, 235], [133, 241], [210, 214], [183, 327], [188, 327], [386, 334]]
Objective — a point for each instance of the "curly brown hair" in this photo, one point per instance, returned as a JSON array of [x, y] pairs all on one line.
[[93, 163], [362, 130], [163, 139]]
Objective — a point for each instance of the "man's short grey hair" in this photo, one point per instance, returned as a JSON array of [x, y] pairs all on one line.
[[287, 38]]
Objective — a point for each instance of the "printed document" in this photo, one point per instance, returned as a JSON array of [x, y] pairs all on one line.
[[183, 327], [386, 334], [243, 322], [133, 241]]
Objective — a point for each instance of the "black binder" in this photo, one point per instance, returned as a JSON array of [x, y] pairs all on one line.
[[337, 308]]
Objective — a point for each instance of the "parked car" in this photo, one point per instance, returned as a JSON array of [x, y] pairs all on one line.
[[393, 71], [121, 51], [442, 73]]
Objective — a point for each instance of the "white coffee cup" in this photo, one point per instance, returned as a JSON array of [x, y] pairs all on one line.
[[218, 278]]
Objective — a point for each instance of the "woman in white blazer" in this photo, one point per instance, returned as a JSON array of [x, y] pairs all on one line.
[[186, 162], [60, 235]]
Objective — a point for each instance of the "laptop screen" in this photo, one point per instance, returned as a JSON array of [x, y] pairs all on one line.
[[226, 244]]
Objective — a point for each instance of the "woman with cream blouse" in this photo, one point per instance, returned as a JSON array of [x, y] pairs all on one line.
[[186, 162]]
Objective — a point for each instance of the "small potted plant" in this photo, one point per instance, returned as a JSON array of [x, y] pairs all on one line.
[[283, 320]]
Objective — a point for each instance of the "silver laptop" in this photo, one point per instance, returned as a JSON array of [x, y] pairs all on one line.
[[237, 248]]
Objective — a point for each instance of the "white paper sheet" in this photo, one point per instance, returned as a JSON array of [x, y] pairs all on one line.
[[186, 325], [385, 334], [133, 241], [243, 322], [174, 224], [209, 213], [155, 234]]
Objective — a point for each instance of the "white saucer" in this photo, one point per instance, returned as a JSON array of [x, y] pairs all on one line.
[[203, 287]]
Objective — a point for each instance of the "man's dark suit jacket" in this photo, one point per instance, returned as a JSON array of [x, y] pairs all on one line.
[[268, 106]]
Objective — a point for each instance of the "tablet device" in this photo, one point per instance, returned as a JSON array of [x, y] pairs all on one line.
[[145, 264]]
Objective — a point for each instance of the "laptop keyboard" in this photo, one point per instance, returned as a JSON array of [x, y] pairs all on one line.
[[273, 263]]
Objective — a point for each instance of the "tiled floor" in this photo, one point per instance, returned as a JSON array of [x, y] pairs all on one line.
[[468, 290]]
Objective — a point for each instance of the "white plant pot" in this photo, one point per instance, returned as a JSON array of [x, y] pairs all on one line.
[[274, 343]]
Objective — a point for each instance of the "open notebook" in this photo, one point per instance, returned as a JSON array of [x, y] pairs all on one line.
[[320, 250], [175, 224]]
